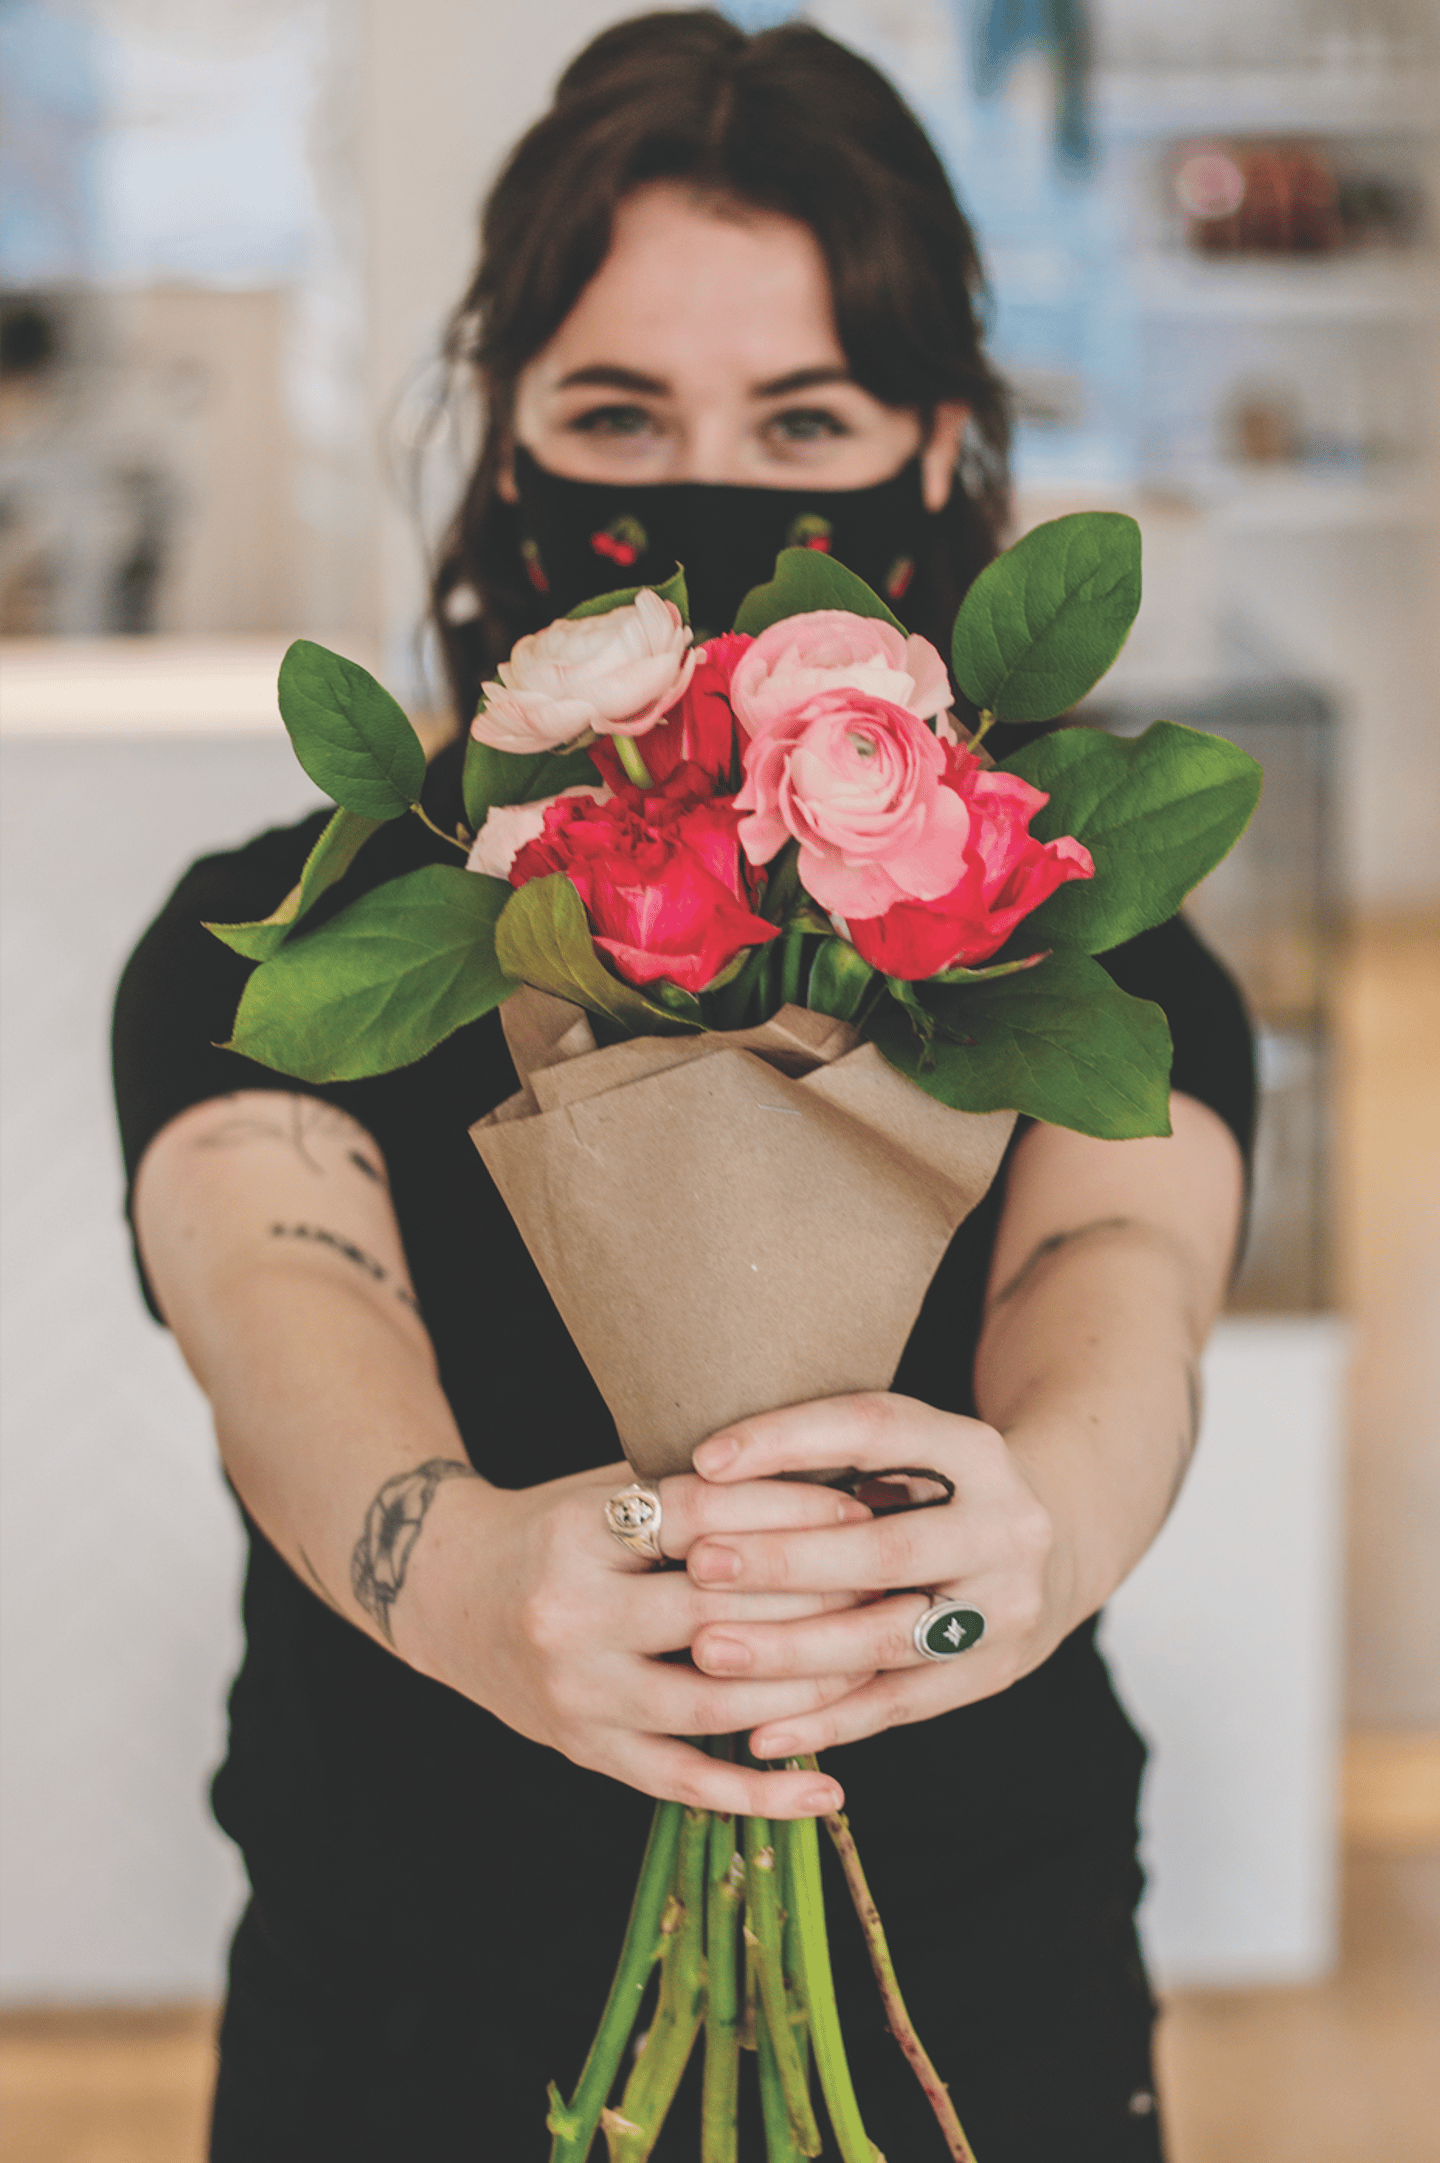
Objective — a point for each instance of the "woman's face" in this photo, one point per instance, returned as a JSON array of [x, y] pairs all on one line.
[[704, 349]]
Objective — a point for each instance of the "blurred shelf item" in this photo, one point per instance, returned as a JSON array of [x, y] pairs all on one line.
[[1385, 97], [1300, 498], [1269, 912], [54, 689], [1392, 1791], [1399, 288]]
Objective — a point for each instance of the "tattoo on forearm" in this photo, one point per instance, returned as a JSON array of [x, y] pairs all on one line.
[[298, 1122], [1052, 1245], [392, 1526], [348, 1251]]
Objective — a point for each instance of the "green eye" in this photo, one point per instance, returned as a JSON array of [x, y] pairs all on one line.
[[612, 421]]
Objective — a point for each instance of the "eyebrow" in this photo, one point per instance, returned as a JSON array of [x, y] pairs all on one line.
[[604, 375]]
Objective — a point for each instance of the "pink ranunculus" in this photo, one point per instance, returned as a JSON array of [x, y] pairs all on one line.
[[699, 730], [661, 877], [828, 649], [614, 674], [857, 781], [1006, 874], [508, 827]]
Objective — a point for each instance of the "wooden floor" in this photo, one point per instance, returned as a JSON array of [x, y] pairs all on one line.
[[1347, 2071]]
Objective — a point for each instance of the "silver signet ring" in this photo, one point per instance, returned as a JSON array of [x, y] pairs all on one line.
[[949, 1627], [633, 1516]]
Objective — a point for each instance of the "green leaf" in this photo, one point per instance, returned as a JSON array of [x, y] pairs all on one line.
[[350, 736], [993, 969], [544, 939], [601, 604], [493, 777], [839, 980], [382, 983], [1157, 812], [806, 579], [344, 837], [1043, 622], [1059, 1042]]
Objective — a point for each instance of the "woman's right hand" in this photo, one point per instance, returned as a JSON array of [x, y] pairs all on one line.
[[522, 1600]]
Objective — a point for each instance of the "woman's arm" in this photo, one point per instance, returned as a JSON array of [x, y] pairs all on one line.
[[268, 1235], [1110, 1265]]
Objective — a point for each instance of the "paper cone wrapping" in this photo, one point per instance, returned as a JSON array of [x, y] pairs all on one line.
[[728, 1222]]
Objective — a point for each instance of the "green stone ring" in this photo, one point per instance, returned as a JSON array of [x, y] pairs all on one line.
[[949, 1627]]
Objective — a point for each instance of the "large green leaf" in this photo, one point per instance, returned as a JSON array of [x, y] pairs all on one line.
[[350, 736], [383, 983], [1157, 812], [493, 777], [806, 579], [1043, 622], [601, 604], [1059, 1042], [544, 939], [333, 854]]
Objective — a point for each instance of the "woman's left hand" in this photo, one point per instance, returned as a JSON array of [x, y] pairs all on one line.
[[992, 1545]]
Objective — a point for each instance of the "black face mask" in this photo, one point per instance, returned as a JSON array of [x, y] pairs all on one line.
[[581, 538]]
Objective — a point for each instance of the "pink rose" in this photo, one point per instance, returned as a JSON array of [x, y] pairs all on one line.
[[1005, 874], [508, 827], [857, 781], [827, 650], [614, 675]]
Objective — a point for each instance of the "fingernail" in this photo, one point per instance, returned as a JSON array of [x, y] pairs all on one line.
[[850, 1513], [823, 1800], [729, 1653], [715, 1565], [713, 1456], [776, 1746]]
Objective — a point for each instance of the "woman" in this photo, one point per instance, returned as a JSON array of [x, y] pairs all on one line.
[[724, 288]]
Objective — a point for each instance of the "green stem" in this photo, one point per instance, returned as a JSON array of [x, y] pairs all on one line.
[[573, 2124], [937, 2095], [851, 2138], [792, 945], [762, 1910], [784, 1831], [425, 820], [722, 2005], [628, 753], [633, 2130], [779, 2134], [986, 723]]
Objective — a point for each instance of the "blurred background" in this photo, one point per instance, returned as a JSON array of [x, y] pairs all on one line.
[[230, 232]]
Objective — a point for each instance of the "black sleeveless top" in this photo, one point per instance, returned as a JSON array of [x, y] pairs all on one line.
[[396, 1833]]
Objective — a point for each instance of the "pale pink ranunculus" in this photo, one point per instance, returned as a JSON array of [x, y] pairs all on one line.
[[858, 782], [614, 674], [827, 650], [508, 827]]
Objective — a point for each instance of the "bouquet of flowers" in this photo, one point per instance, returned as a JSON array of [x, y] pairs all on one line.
[[774, 934]]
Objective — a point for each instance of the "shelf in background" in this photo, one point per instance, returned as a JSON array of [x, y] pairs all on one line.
[[1351, 100], [1390, 288]]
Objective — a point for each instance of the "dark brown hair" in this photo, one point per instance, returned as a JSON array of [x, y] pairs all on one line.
[[786, 121]]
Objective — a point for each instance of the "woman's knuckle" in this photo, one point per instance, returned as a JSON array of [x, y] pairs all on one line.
[[894, 1549]]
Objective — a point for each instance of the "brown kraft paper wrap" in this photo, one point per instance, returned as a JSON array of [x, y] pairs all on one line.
[[728, 1222]]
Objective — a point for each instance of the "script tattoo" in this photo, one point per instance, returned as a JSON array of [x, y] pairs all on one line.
[[1052, 1245], [349, 1252], [298, 1122], [392, 1526]]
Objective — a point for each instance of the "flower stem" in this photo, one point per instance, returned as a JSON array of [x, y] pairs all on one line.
[[985, 724], [425, 820], [573, 2124], [851, 2138], [779, 2134], [632, 2131], [722, 2005], [937, 2095], [628, 753], [762, 1912]]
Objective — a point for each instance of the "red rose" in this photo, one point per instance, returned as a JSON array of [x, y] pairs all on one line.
[[698, 729], [661, 876], [1006, 873]]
